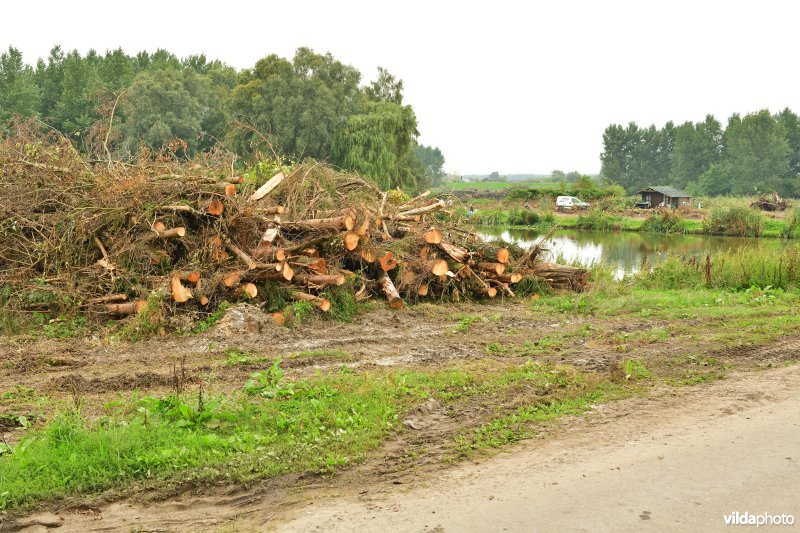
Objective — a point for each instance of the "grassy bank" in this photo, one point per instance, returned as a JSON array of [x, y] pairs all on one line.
[[716, 223]]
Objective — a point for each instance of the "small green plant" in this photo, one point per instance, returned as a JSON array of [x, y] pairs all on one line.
[[635, 370], [268, 383], [344, 306], [212, 318], [494, 348], [465, 322], [300, 310]]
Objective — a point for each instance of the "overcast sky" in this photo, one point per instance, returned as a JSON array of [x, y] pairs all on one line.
[[508, 86]]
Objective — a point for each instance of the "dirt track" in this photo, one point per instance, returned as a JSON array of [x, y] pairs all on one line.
[[640, 464]]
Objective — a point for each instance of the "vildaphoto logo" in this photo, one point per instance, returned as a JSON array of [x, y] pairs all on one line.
[[763, 519]]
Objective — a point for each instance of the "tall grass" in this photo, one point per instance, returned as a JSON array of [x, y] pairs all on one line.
[[598, 220], [738, 221], [665, 221], [733, 270]]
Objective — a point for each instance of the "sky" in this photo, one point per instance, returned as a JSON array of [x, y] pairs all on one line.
[[513, 87]]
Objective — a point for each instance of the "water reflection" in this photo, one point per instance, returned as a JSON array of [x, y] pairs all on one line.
[[626, 251]]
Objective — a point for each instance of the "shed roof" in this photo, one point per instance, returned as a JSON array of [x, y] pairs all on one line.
[[667, 191]]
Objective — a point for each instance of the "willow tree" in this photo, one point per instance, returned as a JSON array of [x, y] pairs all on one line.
[[377, 143]]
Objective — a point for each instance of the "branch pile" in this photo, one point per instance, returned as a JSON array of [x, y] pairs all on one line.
[[105, 236], [772, 203]]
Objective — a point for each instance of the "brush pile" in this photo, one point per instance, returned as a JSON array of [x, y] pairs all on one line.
[[103, 237], [771, 203]]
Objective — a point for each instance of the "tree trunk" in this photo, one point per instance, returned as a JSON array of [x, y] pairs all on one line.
[[322, 303], [395, 302], [129, 308]]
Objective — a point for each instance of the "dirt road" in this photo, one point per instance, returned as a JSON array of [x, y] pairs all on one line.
[[679, 461]]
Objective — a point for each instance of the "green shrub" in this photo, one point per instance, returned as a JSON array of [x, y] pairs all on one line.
[[664, 221], [738, 221], [791, 229], [598, 220]]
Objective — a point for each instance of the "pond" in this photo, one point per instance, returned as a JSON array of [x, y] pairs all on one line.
[[624, 251]]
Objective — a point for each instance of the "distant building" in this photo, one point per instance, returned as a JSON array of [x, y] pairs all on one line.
[[663, 197]]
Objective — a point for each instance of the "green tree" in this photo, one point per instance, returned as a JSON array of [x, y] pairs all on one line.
[[298, 105], [49, 78], [697, 147], [756, 158], [116, 70], [386, 88], [19, 94], [377, 144], [432, 162], [617, 158], [162, 105], [75, 110], [791, 124]]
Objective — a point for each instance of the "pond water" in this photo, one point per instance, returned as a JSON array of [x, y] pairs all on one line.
[[625, 251]]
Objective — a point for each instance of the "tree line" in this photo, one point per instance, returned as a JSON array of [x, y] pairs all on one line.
[[754, 154], [310, 106]]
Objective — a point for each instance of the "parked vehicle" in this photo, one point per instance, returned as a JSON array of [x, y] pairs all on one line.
[[570, 202]]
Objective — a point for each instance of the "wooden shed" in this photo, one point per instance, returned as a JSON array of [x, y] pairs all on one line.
[[663, 197]]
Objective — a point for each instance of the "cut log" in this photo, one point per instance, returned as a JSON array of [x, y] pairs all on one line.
[[364, 227], [351, 241], [129, 308], [560, 276], [200, 294], [246, 259], [247, 289], [172, 233], [179, 209], [458, 253], [320, 280], [387, 262], [368, 255], [503, 255], [277, 210], [439, 204], [215, 207], [414, 200], [111, 298], [180, 294], [393, 297], [422, 290], [236, 180], [267, 188], [313, 224], [439, 267], [269, 272], [350, 220], [432, 236], [316, 264], [322, 303], [232, 279], [279, 318], [515, 277], [494, 268], [190, 277], [490, 292], [229, 189]]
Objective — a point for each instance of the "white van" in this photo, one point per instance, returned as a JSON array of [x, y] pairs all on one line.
[[570, 202]]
